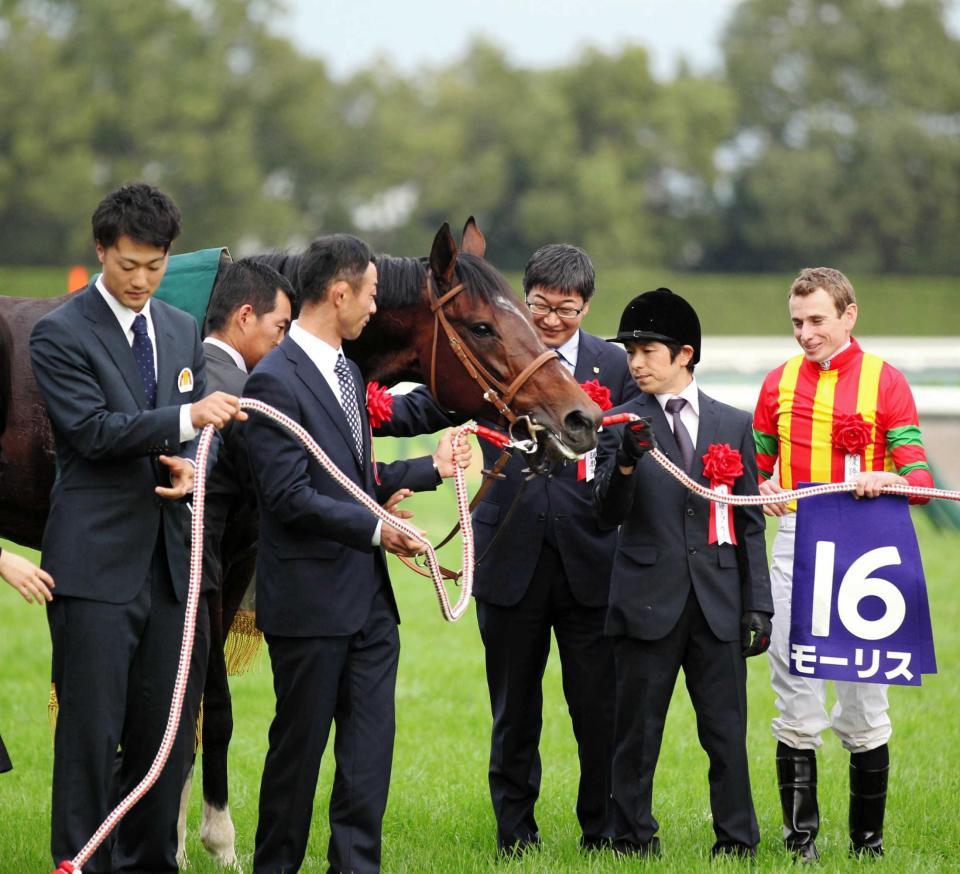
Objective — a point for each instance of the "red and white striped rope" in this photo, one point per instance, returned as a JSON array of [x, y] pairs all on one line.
[[450, 612], [780, 497]]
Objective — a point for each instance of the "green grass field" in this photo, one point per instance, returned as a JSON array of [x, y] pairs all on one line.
[[727, 303], [439, 816]]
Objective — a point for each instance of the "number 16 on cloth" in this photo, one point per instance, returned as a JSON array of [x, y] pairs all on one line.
[[859, 606]]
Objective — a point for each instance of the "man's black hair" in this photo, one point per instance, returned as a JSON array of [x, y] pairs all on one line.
[[244, 282], [560, 266], [139, 211], [331, 258]]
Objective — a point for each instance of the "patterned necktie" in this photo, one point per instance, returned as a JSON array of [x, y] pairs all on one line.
[[680, 432], [143, 353], [348, 400]]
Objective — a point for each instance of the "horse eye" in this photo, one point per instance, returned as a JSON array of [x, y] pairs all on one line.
[[481, 329]]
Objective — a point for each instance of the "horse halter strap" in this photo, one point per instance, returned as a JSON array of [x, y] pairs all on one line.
[[494, 391]]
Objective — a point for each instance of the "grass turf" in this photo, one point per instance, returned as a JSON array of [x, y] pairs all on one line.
[[439, 817]]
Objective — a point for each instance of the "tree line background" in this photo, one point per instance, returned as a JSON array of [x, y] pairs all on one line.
[[831, 135]]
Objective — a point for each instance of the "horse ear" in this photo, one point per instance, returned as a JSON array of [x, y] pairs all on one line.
[[443, 255], [474, 242]]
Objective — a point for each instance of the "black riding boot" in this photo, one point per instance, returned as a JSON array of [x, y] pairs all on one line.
[[868, 800], [797, 778]]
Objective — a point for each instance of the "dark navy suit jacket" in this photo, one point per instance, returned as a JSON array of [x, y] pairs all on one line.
[[317, 571], [662, 548], [104, 516], [557, 506]]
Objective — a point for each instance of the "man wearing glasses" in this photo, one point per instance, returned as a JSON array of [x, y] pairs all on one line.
[[544, 565]]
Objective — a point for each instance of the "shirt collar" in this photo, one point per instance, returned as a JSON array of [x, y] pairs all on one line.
[[691, 394], [235, 356], [836, 359], [321, 353], [569, 350], [840, 359], [125, 315]]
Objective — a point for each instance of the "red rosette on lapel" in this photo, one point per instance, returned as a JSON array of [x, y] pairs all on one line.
[[379, 410], [597, 393], [600, 395], [722, 465], [379, 404]]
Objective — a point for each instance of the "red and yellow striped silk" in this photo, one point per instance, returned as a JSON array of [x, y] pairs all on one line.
[[800, 400]]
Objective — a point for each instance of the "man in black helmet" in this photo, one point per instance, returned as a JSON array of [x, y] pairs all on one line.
[[690, 586]]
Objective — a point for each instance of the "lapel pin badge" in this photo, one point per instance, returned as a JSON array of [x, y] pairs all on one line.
[[185, 380]]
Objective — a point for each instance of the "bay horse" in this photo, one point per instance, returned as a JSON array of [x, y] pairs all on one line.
[[450, 314]]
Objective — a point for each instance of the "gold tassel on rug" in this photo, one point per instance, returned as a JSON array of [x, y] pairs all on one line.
[[53, 708], [242, 644]]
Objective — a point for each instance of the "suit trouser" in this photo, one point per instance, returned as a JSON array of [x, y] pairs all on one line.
[[517, 643], [349, 680], [715, 673], [859, 718], [114, 667]]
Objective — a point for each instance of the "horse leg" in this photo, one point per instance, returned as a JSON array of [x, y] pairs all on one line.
[[217, 831], [182, 821]]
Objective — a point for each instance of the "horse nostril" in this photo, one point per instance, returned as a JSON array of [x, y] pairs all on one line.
[[577, 424]]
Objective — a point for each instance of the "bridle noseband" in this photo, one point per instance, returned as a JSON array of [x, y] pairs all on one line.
[[494, 391]]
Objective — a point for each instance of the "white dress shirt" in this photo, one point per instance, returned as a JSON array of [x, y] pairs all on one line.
[[690, 414], [125, 317], [324, 358], [569, 351]]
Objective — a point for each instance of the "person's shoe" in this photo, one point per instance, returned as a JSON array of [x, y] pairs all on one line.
[[594, 843], [519, 847], [733, 850], [646, 850]]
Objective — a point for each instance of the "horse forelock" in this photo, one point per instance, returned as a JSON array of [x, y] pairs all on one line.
[[482, 281]]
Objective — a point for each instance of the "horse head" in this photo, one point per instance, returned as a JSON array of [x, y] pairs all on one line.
[[487, 360]]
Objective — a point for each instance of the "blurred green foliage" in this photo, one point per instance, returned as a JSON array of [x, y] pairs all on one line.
[[831, 136]]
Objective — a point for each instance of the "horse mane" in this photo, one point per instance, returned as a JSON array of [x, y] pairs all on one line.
[[6, 372], [400, 280]]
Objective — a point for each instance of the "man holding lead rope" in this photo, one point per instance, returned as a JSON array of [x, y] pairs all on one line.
[[690, 587], [324, 601], [122, 377], [812, 412]]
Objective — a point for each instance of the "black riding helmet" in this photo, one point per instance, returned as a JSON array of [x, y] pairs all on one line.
[[660, 315]]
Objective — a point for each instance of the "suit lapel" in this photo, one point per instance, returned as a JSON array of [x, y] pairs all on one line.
[[105, 326], [311, 377], [587, 357], [167, 360], [706, 432], [662, 427]]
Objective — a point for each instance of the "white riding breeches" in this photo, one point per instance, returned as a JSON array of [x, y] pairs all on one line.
[[859, 717]]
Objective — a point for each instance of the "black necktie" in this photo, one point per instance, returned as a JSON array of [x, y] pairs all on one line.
[[143, 353], [680, 432], [348, 400]]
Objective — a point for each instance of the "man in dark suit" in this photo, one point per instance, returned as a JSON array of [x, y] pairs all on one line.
[[248, 315], [544, 564], [680, 596], [324, 601], [122, 377]]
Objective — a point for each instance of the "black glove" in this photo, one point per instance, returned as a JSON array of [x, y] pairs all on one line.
[[755, 629], [637, 441]]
